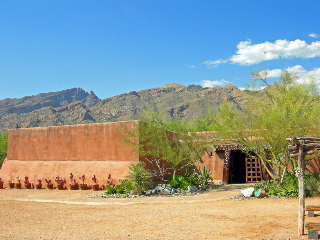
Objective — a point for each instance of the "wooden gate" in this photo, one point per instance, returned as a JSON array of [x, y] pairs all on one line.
[[253, 170]]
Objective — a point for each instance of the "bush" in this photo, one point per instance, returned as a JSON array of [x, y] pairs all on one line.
[[139, 176], [183, 182], [127, 186], [290, 186], [110, 189]]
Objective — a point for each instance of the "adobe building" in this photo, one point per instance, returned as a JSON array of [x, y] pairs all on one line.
[[98, 149], [88, 149]]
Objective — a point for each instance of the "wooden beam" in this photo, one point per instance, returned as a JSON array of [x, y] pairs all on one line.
[[313, 208]]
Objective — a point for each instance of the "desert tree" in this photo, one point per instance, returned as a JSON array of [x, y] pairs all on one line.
[[3, 146], [173, 142], [286, 107]]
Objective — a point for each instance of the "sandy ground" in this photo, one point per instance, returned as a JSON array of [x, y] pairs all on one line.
[[65, 214]]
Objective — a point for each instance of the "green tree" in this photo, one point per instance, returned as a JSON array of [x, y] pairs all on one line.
[[3, 146], [176, 142], [139, 176], [285, 108]]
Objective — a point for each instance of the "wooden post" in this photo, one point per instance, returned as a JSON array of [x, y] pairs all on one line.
[[301, 189]]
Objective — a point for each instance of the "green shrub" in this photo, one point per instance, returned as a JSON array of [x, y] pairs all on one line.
[[139, 176], [127, 186], [290, 186], [183, 182], [312, 184], [110, 189]]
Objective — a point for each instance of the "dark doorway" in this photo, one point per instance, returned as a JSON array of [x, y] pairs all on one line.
[[237, 167]]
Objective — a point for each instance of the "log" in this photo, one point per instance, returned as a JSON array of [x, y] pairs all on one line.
[[296, 154], [313, 226], [313, 208]]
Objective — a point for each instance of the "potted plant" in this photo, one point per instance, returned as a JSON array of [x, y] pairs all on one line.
[[73, 182], [1, 184], [39, 184], [95, 186], [49, 184], [83, 186], [18, 184], [60, 182], [27, 184], [11, 184]]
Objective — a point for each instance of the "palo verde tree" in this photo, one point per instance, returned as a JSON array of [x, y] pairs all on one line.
[[174, 142], [3, 146], [285, 108]]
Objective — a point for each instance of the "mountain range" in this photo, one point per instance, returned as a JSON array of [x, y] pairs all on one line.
[[76, 106]]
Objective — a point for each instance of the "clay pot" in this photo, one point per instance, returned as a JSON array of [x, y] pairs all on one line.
[[50, 186], [39, 186], [1, 185], [18, 185], [59, 186], [11, 185], [95, 187], [73, 186], [27, 185], [83, 186]]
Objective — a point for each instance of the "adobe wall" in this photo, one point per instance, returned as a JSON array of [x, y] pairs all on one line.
[[87, 149], [214, 163]]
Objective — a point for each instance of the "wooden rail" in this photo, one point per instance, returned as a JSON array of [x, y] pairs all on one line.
[[313, 227]]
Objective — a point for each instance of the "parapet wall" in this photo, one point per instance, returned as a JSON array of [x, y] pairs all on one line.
[[88, 149], [87, 142]]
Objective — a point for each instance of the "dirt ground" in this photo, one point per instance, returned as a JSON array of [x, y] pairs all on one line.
[[65, 214]]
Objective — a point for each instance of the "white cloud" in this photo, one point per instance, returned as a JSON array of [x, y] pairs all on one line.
[[249, 54], [303, 74], [192, 66], [313, 35], [213, 64], [211, 84]]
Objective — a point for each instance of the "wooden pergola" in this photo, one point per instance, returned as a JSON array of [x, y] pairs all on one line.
[[299, 147]]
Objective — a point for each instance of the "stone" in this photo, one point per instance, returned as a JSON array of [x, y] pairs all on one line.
[[192, 189], [248, 192]]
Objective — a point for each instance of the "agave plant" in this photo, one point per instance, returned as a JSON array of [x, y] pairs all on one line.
[[204, 175]]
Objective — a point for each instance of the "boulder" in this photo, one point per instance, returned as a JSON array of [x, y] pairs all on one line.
[[248, 192]]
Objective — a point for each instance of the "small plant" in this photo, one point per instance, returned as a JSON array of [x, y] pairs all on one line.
[[60, 181], [94, 179], [72, 180], [204, 175], [139, 176], [127, 186], [110, 190], [18, 179], [82, 179], [110, 180], [26, 180], [1, 182], [48, 181], [39, 181]]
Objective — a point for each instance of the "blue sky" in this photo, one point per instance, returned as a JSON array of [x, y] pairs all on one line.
[[113, 47]]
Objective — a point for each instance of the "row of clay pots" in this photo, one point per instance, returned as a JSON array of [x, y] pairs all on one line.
[[95, 187]]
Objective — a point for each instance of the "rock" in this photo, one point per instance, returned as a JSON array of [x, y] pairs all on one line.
[[248, 192], [192, 189]]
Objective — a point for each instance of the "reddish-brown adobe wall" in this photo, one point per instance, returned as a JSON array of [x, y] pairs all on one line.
[[88, 149]]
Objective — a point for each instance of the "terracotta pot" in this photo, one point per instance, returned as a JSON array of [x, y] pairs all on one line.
[[83, 186], [18, 185], [73, 186], [59, 186], [11, 185], [39, 186], [50, 186], [95, 187], [27, 185], [1, 185]]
